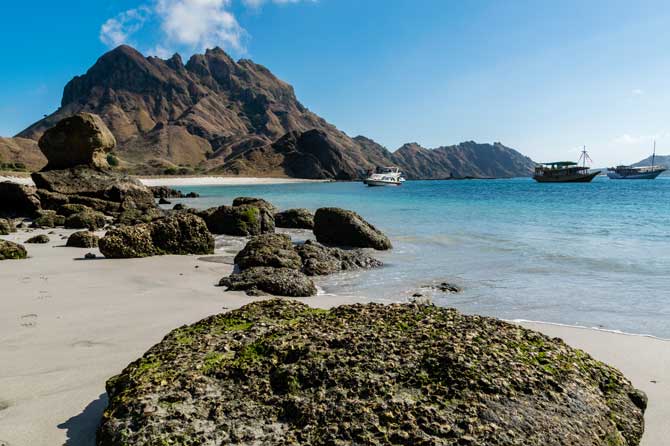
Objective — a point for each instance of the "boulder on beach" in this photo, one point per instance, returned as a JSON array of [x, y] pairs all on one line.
[[82, 139], [136, 216], [295, 219], [261, 280], [6, 226], [179, 234], [163, 201], [320, 260], [257, 202], [48, 219], [12, 251], [341, 227], [17, 200], [275, 250], [38, 239], [82, 239], [68, 209], [88, 219], [278, 372], [238, 220]]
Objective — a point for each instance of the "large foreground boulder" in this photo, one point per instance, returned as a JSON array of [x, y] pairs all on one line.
[[267, 280], [11, 251], [17, 200], [275, 250], [179, 234], [239, 220], [278, 372], [295, 219], [320, 260], [82, 139], [340, 227]]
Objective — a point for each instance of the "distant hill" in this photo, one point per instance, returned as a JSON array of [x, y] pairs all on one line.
[[215, 115], [659, 160]]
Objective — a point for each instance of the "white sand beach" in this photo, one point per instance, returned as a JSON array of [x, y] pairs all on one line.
[[191, 181], [68, 324]]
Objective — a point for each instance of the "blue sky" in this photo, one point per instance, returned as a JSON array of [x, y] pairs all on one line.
[[544, 77]]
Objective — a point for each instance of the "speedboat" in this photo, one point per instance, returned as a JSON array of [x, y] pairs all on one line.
[[386, 176]]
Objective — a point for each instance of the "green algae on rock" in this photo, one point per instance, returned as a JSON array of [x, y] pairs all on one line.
[[38, 239], [278, 373], [12, 251]]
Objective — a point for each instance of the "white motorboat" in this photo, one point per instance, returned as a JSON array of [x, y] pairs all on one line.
[[386, 176]]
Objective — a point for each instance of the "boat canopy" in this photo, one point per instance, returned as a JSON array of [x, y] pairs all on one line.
[[559, 164]]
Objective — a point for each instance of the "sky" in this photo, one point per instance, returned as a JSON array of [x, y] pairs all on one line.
[[544, 77]]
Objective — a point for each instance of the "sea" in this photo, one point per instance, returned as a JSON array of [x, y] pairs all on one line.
[[595, 255]]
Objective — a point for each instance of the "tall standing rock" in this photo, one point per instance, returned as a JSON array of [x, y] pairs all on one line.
[[340, 227], [80, 139]]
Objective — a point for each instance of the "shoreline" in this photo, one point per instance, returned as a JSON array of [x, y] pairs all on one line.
[[70, 324], [192, 181]]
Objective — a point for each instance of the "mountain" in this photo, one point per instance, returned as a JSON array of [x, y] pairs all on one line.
[[215, 115], [659, 160]]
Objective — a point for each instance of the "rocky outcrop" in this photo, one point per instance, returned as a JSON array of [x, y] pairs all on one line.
[[82, 139], [6, 226], [319, 260], [295, 219], [38, 239], [179, 234], [12, 251], [279, 372], [18, 201], [168, 192], [82, 239], [48, 219], [340, 227], [266, 280], [86, 219], [238, 220], [257, 202], [273, 250]]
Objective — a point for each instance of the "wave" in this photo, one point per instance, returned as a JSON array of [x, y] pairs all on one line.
[[582, 327]]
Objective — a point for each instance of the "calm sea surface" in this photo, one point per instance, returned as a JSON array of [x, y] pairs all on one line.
[[596, 255]]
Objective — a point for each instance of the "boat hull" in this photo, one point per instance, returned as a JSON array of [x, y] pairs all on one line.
[[581, 178], [376, 183], [637, 176]]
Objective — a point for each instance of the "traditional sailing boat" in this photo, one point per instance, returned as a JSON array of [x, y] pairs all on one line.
[[637, 173], [566, 171]]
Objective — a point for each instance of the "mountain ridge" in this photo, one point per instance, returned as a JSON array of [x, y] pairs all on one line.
[[215, 115]]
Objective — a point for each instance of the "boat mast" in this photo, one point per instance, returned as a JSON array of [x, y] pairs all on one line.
[[653, 156], [584, 157]]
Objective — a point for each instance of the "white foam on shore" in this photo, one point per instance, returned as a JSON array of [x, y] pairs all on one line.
[[583, 327]]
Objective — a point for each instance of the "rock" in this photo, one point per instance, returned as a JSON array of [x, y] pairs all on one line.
[[165, 192], [90, 220], [163, 201], [319, 260], [48, 219], [295, 218], [123, 191], [135, 216], [90, 255], [6, 226], [275, 250], [11, 251], [38, 239], [192, 195], [179, 207], [51, 200], [82, 139], [275, 281], [71, 208], [446, 287], [278, 372], [238, 220], [17, 200], [179, 234], [258, 202], [82, 239], [340, 227]]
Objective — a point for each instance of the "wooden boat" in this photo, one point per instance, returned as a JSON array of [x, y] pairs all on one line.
[[637, 173], [565, 171]]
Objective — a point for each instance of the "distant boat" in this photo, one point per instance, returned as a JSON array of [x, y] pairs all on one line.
[[565, 171], [637, 173], [387, 176]]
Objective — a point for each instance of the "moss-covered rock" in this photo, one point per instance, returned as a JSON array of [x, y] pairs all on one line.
[[340, 227], [178, 234], [257, 202], [275, 250], [238, 220], [91, 220], [319, 260], [267, 280], [82, 239], [73, 208], [11, 251], [295, 219], [279, 373], [6, 226], [48, 219], [38, 239]]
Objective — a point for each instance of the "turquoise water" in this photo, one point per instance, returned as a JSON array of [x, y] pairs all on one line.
[[595, 255]]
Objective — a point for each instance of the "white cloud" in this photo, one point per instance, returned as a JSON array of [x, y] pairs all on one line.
[[191, 25], [118, 30], [635, 140], [637, 92]]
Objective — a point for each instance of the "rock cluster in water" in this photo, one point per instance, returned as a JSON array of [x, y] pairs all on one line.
[[281, 373]]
